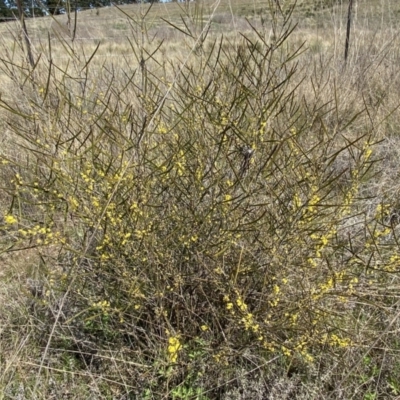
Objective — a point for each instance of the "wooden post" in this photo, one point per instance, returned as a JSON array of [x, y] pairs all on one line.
[[347, 44], [25, 33]]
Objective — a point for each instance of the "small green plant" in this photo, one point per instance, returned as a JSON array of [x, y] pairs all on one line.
[[370, 396], [394, 386], [185, 393]]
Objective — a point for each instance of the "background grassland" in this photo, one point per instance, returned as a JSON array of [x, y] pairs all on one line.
[[203, 205]]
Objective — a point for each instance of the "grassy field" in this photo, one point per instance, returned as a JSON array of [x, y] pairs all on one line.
[[201, 201]]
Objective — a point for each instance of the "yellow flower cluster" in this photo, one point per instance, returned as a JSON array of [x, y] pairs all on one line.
[[10, 219], [247, 319], [104, 306], [174, 346]]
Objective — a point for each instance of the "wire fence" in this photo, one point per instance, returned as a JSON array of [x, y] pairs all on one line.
[[117, 29]]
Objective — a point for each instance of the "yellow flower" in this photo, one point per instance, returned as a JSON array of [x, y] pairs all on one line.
[[10, 219], [241, 304], [204, 328], [286, 351], [174, 345]]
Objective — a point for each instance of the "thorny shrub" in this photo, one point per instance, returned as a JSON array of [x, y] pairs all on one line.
[[193, 213]]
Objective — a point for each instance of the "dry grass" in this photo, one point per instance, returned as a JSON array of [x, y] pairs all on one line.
[[218, 221]]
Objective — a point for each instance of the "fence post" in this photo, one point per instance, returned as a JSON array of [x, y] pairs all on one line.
[[347, 44]]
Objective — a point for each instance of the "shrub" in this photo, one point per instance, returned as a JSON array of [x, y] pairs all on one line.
[[194, 219]]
